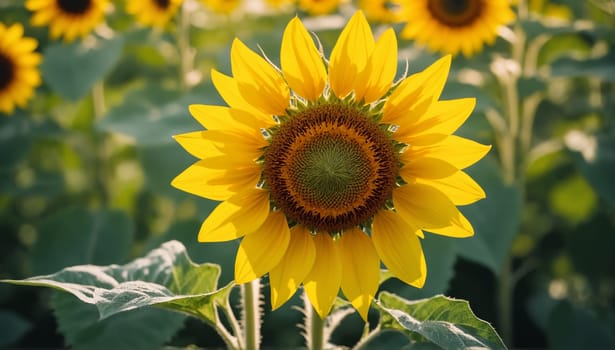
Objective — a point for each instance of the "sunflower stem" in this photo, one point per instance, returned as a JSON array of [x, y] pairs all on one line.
[[314, 326], [97, 144], [186, 52], [251, 314], [98, 100], [514, 143]]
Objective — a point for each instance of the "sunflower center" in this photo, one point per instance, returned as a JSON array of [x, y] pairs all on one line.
[[330, 168], [7, 71], [74, 6], [162, 4], [456, 13]]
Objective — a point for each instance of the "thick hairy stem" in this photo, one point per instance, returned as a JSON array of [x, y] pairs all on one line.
[[251, 314]]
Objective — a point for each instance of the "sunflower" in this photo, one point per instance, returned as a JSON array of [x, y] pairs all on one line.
[[18, 67], [381, 10], [279, 4], [454, 26], [153, 12], [222, 6], [319, 7], [326, 169], [67, 18]]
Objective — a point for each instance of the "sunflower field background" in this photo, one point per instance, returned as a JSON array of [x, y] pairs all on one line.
[[87, 160]]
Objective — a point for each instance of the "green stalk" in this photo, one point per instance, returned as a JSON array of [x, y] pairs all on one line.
[[314, 326], [186, 52], [251, 314], [97, 145], [514, 142]]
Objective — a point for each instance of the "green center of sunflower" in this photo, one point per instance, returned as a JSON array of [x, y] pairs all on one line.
[[162, 4], [74, 6], [330, 168], [7, 71], [455, 13]]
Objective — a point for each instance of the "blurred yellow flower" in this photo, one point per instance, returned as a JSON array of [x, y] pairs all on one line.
[[222, 6], [326, 168], [19, 73], [155, 13], [319, 7], [385, 11], [67, 18], [278, 4], [453, 26]]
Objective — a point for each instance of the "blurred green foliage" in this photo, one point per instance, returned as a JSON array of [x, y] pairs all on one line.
[[85, 173]]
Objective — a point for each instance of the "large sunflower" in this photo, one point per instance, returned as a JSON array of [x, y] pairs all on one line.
[[324, 169], [67, 18], [156, 13], [453, 26], [19, 74]]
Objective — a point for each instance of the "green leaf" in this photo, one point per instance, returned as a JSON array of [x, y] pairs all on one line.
[[602, 67], [99, 237], [446, 322], [145, 328], [72, 69], [166, 277], [493, 232], [595, 157], [152, 115], [12, 327], [572, 327]]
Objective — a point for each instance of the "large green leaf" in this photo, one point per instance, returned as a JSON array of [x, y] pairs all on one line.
[[12, 327], [602, 67], [496, 219], [166, 277], [595, 157], [72, 69], [145, 328], [92, 237], [446, 322], [573, 327], [152, 115]]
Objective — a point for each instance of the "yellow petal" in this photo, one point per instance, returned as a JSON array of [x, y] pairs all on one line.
[[262, 249], [350, 54], [460, 188], [444, 117], [323, 282], [302, 65], [216, 184], [458, 151], [260, 84], [229, 91], [224, 118], [195, 144], [425, 167], [360, 269], [428, 208], [295, 265], [377, 77], [398, 246], [239, 215], [415, 95], [237, 141]]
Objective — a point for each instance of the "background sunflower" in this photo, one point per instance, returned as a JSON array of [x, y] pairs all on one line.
[[19, 74], [66, 18], [155, 13], [453, 26]]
